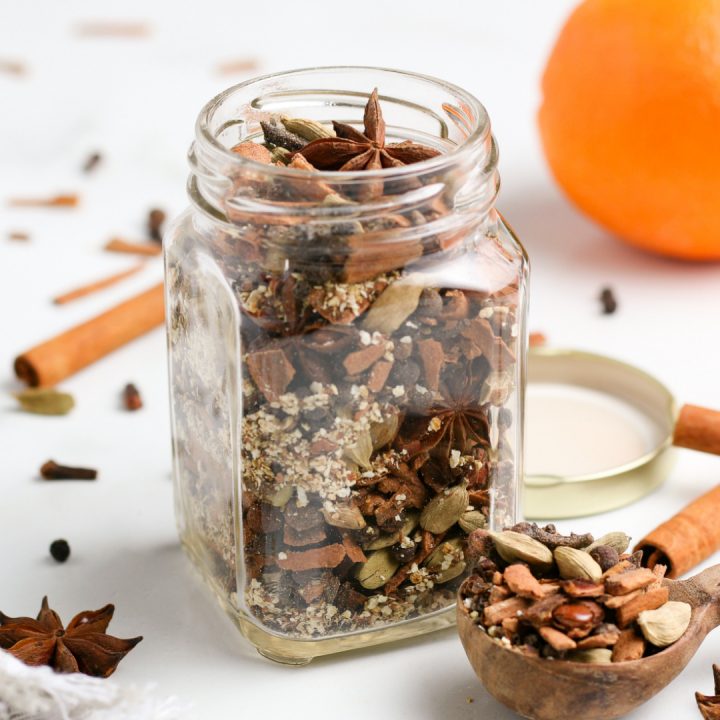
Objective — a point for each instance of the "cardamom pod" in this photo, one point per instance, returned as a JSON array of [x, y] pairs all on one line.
[[445, 509], [447, 561], [348, 517], [574, 564], [593, 655], [514, 546], [280, 154], [281, 497], [306, 129], [616, 540], [45, 401], [472, 520], [395, 305], [662, 627], [360, 451], [388, 539], [377, 570], [383, 433]]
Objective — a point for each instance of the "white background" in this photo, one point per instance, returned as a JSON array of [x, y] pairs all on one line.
[[136, 102]]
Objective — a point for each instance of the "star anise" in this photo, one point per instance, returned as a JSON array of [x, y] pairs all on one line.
[[455, 422], [82, 647], [353, 150], [709, 705]]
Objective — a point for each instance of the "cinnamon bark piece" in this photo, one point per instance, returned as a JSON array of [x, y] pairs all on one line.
[[583, 588], [621, 567], [616, 601], [630, 646], [604, 636], [522, 582], [650, 600], [432, 358], [329, 556], [271, 371], [623, 583], [353, 550], [456, 305], [512, 607], [360, 360], [557, 640], [379, 375], [295, 538], [483, 341]]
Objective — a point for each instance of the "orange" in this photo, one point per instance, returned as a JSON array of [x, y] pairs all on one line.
[[630, 121]]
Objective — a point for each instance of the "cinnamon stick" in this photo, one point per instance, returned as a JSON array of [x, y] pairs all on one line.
[[90, 288], [134, 248], [52, 361], [54, 201], [687, 538], [698, 428]]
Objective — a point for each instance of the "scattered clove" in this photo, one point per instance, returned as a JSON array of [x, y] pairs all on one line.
[[133, 248], [156, 218], [12, 67], [60, 550], [52, 471], [240, 65], [131, 397], [608, 300], [92, 162], [18, 236]]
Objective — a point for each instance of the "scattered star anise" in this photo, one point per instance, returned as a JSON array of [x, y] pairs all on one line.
[[353, 150], [82, 647], [709, 705]]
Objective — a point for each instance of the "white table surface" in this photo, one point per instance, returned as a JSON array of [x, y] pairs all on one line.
[[135, 100]]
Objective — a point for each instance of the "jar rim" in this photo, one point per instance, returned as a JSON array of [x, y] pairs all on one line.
[[476, 140]]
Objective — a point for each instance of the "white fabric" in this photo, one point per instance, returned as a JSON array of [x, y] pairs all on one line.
[[29, 693]]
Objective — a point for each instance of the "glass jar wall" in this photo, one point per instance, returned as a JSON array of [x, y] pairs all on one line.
[[346, 363]]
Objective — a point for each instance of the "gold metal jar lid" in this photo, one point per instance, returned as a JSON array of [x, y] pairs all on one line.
[[597, 434]]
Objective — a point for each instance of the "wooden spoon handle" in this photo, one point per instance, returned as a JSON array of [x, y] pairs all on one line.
[[698, 428], [706, 583]]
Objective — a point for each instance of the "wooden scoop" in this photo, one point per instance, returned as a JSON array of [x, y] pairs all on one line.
[[543, 689]]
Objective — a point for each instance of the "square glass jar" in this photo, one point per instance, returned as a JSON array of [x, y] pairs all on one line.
[[347, 363]]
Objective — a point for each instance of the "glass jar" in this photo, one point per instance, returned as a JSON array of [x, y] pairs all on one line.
[[346, 364]]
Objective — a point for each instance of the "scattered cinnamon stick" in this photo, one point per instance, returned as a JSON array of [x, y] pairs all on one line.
[[92, 287], [698, 428], [133, 248], [687, 538], [113, 29], [52, 361], [60, 201], [240, 65], [18, 236], [12, 67]]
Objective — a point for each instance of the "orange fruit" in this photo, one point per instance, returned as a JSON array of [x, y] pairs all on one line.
[[630, 120]]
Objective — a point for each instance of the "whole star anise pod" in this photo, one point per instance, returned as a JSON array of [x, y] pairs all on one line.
[[353, 150], [709, 705], [454, 422], [83, 646]]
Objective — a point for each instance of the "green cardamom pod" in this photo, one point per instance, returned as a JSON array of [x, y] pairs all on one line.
[[378, 569], [617, 540], [515, 547], [45, 401], [306, 129], [445, 509]]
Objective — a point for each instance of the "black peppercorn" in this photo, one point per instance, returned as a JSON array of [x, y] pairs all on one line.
[[403, 554], [60, 550]]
